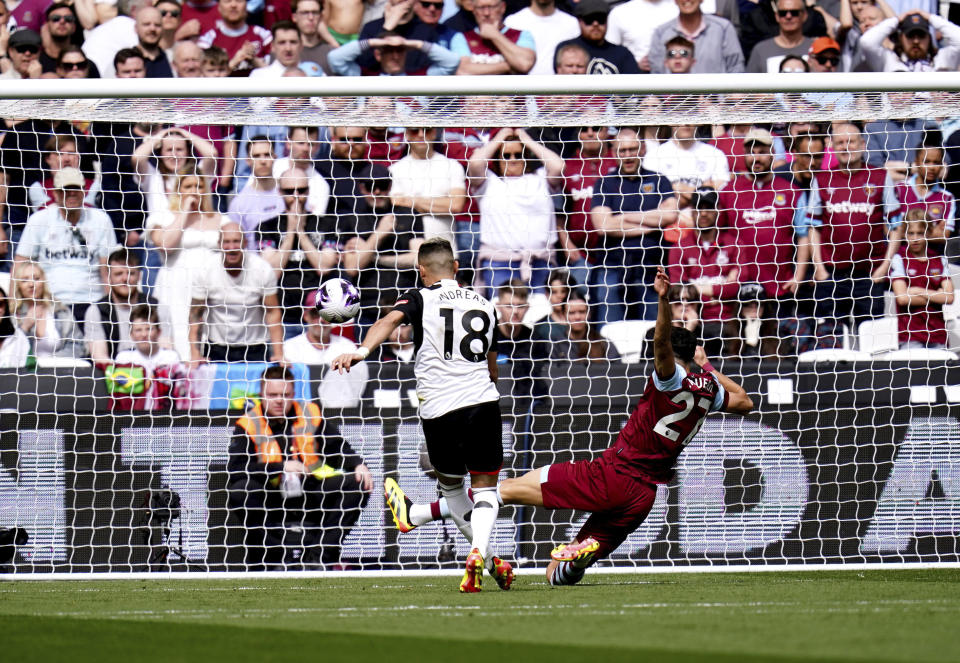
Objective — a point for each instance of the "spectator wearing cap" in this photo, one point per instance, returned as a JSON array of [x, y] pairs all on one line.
[[319, 346], [494, 48], [549, 26], [913, 47], [824, 55], [390, 52], [679, 55], [384, 238], [23, 51], [71, 243], [705, 259], [300, 246], [764, 216], [631, 205], [715, 40], [604, 57], [429, 183], [790, 40]]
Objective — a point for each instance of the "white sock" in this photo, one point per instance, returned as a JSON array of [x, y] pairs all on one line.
[[483, 518], [420, 514], [460, 506]]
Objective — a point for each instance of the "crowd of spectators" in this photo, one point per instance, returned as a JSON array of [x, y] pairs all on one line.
[[778, 236]]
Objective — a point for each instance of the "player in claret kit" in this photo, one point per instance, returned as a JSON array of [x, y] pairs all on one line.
[[455, 336], [619, 487]]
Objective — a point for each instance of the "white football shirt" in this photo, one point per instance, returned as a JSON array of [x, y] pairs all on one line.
[[453, 330]]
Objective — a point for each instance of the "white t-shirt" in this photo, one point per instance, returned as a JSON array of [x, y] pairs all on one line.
[[102, 42], [70, 255], [235, 311], [436, 176], [695, 166], [319, 195], [547, 31], [14, 350], [632, 23], [517, 213], [336, 389]]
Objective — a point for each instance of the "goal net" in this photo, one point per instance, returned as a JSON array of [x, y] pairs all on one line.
[[165, 241]]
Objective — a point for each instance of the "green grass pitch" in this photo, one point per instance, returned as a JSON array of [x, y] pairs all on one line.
[[872, 616]]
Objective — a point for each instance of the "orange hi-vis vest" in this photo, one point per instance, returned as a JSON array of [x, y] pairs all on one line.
[[303, 446]]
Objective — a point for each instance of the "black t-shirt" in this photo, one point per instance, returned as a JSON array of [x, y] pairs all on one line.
[[299, 275], [377, 278], [20, 160], [345, 192], [606, 58]]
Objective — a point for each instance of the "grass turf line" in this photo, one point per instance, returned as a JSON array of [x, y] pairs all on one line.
[[839, 616]]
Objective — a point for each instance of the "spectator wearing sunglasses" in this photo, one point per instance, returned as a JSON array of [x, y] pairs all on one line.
[[549, 26], [23, 49], [72, 63], [61, 27], [170, 14], [715, 40], [763, 23], [299, 246], [679, 56], [604, 57], [790, 40]]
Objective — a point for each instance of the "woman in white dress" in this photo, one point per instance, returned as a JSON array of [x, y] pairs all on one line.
[[48, 324], [186, 235], [517, 219]]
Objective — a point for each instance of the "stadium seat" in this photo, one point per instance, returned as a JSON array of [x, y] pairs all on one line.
[[627, 337], [832, 355], [920, 354], [878, 335]]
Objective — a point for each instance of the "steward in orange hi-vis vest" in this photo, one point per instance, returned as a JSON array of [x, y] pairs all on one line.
[[293, 474]]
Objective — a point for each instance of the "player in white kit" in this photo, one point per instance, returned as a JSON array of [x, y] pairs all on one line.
[[455, 336]]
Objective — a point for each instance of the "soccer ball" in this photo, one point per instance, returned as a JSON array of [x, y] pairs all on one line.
[[338, 300]]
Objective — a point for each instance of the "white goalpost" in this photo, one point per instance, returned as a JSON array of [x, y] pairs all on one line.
[[115, 463]]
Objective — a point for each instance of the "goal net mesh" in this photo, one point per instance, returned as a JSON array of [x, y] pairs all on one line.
[[130, 415]]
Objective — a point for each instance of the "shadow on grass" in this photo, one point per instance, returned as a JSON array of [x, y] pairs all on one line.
[[27, 639]]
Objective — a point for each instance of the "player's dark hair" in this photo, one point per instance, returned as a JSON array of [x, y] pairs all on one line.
[[277, 373], [684, 343], [436, 254]]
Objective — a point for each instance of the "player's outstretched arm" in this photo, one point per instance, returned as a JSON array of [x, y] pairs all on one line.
[[379, 333], [664, 363], [738, 400]]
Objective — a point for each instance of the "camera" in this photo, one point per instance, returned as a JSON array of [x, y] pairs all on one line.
[[163, 506]]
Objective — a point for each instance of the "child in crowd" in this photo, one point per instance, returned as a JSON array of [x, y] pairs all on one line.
[[216, 64], [922, 285], [142, 377]]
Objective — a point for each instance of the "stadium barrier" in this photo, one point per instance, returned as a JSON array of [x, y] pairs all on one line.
[[838, 465]]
